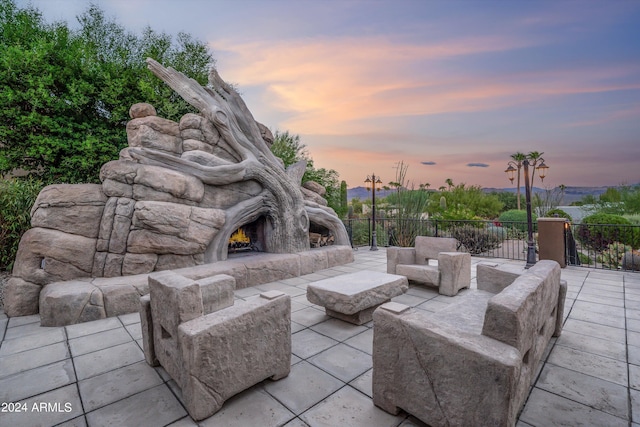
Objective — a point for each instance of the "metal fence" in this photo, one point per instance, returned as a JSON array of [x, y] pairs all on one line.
[[606, 246]]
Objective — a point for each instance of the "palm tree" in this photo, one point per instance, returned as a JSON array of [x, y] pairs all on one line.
[[518, 158], [534, 157], [449, 182]]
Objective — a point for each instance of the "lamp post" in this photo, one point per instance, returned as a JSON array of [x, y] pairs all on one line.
[[537, 163], [373, 183]]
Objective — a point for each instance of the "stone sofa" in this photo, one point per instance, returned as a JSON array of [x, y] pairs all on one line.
[[211, 347], [83, 300], [472, 362], [452, 273]]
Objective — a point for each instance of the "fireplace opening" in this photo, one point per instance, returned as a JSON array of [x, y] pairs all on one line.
[[248, 238], [320, 236]]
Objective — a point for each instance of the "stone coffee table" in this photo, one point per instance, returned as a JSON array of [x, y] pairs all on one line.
[[353, 297]]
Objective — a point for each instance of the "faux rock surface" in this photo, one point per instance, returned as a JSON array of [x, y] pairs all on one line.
[[455, 272], [351, 293], [74, 209], [258, 329]]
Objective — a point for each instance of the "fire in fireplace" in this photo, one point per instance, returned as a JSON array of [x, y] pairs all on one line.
[[249, 237]]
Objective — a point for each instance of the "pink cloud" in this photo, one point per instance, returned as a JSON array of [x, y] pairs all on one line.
[[328, 86]]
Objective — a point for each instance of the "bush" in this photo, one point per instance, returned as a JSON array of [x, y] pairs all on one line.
[[600, 230], [476, 240], [517, 219], [558, 213], [17, 196]]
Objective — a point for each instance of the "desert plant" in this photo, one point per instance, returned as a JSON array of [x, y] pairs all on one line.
[[599, 230], [476, 240], [612, 256], [409, 205]]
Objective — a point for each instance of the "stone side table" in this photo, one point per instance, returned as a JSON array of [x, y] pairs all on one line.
[[353, 297]]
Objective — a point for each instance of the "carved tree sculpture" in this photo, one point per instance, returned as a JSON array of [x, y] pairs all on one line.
[[281, 201]]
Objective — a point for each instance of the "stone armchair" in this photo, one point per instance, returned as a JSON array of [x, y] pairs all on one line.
[[474, 361], [211, 347], [452, 273]]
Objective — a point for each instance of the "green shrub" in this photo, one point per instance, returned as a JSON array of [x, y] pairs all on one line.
[[17, 196], [476, 240], [517, 219], [600, 230], [558, 213]]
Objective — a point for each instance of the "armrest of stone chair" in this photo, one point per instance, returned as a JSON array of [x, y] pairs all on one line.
[[180, 299], [439, 373], [397, 255], [455, 272], [233, 349], [492, 277]]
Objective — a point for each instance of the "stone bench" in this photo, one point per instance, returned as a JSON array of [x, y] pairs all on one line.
[[84, 300], [452, 273], [353, 297], [475, 359]]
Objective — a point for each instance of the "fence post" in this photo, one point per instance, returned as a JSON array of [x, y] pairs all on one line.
[[551, 240], [436, 221]]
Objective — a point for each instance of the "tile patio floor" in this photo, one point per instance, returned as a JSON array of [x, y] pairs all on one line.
[[94, 374]]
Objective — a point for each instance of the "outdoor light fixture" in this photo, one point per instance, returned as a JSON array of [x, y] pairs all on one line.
[[511, 171], [373, 183], [534, 160]]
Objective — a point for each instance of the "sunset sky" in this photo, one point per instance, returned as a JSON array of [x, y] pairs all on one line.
[[450, 87]]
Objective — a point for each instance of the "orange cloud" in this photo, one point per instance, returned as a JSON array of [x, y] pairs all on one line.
[[331, 86]]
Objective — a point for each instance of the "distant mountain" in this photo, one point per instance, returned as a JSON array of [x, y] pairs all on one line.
[[571, 194], [363, 194]]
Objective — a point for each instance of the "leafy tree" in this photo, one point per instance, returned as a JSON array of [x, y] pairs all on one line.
[[631, 199], [65, 94], [611, 195], [464, 202], [509, 200], [356, 206], [343, 200], [290, 149], [623, 200]]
